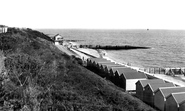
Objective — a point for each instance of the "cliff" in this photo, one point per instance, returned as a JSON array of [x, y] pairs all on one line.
[[36, 76]]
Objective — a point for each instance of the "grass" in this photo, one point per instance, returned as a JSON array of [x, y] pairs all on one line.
[[39, 77]]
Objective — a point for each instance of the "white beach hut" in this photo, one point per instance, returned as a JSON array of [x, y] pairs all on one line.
[[126, 77]]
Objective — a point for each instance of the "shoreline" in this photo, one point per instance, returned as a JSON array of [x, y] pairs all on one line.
[[179, 81]]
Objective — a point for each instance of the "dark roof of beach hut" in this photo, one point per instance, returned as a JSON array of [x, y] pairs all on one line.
[[179, 97], [134, 75], [96, 59], [155, 86], [168, 90], [129, 73], [119, 69], [112, 66], [103, 65], [107, 63], [145, 82], [99, 60], [102, 61]]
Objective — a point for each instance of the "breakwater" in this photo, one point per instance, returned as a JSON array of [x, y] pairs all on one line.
[[110, 47]]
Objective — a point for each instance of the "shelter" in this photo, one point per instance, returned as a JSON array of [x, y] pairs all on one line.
[[3, 29], [175, 102], [142, 83], [162, 93], [174, 71], [150, 88]]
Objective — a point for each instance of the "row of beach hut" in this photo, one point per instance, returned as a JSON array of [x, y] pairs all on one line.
[[120, 75], [158, 93], [162, 95]]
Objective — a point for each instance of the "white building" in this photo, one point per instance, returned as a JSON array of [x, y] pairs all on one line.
[[58, 39], [3, 29]]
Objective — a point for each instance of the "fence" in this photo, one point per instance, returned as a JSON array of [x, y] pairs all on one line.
[[167, 71]]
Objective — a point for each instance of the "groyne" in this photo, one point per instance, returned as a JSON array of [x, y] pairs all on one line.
[[110, 47]]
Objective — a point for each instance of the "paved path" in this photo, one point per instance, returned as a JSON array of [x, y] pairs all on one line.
[[66, 50]]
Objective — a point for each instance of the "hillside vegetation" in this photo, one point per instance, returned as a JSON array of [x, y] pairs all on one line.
[[36, 76]]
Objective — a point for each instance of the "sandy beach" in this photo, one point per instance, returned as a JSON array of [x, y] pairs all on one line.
[[86, 52]]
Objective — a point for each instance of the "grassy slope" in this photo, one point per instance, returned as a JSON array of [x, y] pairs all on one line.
[[38, 76]]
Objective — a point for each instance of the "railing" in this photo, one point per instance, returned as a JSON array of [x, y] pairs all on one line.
[[166, 71]]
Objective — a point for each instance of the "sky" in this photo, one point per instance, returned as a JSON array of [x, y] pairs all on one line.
[[94, 14]]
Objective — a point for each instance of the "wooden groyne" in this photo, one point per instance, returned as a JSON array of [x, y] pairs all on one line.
[[110, 47]]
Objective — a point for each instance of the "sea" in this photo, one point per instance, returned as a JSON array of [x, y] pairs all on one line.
[[167, 46]]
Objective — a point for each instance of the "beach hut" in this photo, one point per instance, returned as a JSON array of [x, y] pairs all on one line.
[[91, 62], [142, 83], [175, 102], [101, 69], [103, 65], [118, 70], [148, 94], [126, 77], [100, 63], [108, 68], [115, 72], [162, 93]]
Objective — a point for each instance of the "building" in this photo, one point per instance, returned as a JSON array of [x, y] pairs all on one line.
[[58, 39], [127, 77], [162, 93], [142, 83], [175, 71], [3, 29], [175, 102], [150, 88]]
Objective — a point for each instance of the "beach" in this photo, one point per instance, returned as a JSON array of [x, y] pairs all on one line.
[[85, 53]]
